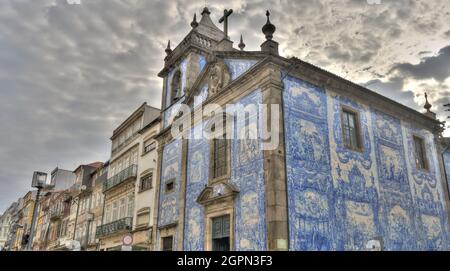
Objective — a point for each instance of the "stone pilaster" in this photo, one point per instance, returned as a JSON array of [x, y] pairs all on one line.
[[440, 149], [275, 169], [182, 195], [157, 194]]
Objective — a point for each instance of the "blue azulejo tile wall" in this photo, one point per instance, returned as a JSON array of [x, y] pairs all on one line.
[[196, 181], [427, 190], [168, 209], [311, 201], [339, 199], [247, 174], [170, 171]]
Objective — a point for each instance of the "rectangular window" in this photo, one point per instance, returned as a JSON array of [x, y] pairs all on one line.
[[220, 160], [143, 219], [122, 208], [107, 214], [420, 153], [130, 206], [221, 233], [351, 130], [149, 146], [167, 243], [134, 157], [219, 155], [115, 211], [170, 185], [146, 183]]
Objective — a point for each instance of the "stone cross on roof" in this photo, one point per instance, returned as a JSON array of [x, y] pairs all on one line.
[[224, 20]]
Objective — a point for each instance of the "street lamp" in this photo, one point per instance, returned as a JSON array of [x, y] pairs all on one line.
[[39, 181]]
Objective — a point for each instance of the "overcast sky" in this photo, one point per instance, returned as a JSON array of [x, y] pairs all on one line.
[[69, 74]]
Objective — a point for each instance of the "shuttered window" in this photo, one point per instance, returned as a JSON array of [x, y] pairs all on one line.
[[351, 130], [221, 233], [219, 161], [167, 243], [420, 153]]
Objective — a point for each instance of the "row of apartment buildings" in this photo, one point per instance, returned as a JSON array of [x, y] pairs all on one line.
[[94, 206]]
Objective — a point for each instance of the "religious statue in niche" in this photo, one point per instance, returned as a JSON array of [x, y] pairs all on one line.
[[176, 91], [218, 78]]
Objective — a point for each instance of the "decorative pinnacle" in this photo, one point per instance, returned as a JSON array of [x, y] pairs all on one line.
[[194, 23], [168, 50], [206, 10], [241, 44], [268, 29], [427, 104]]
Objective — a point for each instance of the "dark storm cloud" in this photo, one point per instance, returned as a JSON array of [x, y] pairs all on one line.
[[69, 74], [436, 67], [394, 89]]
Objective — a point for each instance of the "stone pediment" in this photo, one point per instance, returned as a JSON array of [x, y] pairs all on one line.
[[215, 77], [216, 192], [218, 74]]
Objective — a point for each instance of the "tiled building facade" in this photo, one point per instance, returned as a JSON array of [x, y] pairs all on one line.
[[349, 170], [353, 170]]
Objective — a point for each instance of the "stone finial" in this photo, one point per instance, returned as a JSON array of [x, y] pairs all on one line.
[[427, 104], [206, 11], [268, 29], [194, 22], [241, 44], [269, 46], [168, 51]]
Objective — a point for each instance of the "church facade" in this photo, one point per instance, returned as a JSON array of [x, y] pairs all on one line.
[[351, 170]]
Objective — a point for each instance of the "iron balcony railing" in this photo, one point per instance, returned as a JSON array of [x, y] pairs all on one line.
[[56, 214], [123, 224], [124, 175]]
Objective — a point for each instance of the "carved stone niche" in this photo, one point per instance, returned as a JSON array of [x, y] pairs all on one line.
[[219, 77]]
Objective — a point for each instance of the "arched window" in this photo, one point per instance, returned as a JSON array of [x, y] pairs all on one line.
[[175, 86]]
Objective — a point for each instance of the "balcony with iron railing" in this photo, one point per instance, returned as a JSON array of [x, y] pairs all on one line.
[[56, 214], [124, 224], [123, 176]]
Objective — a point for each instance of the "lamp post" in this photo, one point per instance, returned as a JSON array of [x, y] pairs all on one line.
[[39, 181], [77, 202]]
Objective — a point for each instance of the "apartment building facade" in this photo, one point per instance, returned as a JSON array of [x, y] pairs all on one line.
[[80, 218], [145, 186], [6, 223], [96, 207], [119, 189], [24, 219]]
